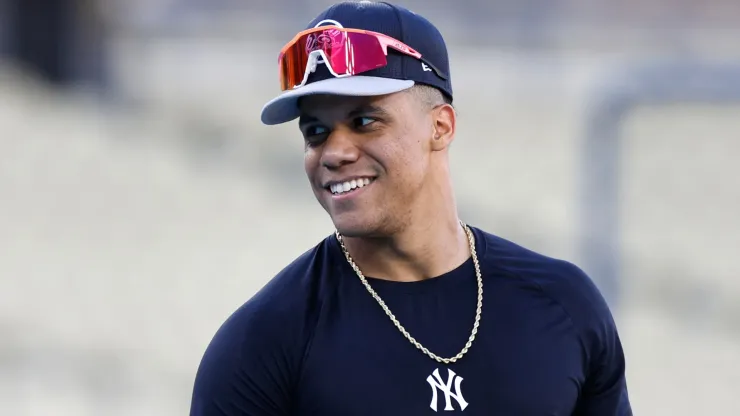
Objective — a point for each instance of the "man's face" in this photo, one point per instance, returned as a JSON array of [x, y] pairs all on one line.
[[367, 159]]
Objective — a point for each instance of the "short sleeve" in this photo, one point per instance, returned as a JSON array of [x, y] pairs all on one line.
[[248, 368], [604, 391]]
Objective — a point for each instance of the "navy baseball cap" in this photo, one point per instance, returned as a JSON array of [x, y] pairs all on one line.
[[401, 73]]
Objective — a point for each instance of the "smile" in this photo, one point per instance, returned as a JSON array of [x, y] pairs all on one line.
[[345, 187]]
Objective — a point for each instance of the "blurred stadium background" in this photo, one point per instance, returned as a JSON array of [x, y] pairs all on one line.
[[141, 200]]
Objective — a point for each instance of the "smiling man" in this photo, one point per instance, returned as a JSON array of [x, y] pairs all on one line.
[[404, 309]]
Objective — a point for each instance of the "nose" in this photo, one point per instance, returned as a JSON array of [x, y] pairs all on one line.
[[339, 149]]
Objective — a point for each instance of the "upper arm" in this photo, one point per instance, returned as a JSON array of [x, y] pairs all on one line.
[[247, 369], [604, 392], [604, 389]]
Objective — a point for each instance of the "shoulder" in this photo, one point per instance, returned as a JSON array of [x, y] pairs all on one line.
[[278, 318], [560, 280], [288, 303], [256, 354]]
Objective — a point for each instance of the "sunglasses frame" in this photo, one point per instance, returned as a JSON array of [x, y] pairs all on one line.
[[385, 42]]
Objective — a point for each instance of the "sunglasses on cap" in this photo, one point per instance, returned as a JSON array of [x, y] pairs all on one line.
[[345, 52]]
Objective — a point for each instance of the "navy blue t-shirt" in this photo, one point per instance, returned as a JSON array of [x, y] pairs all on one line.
[[313, 341]]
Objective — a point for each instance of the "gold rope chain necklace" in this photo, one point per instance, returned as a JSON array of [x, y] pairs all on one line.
[[471, 241]]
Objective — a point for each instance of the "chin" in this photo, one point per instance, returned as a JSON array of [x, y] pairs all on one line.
[[355, 227], [353, 230]]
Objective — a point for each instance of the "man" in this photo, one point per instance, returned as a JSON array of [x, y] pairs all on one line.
[[404, 310]]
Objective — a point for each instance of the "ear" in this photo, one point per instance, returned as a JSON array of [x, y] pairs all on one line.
[[444, 119]]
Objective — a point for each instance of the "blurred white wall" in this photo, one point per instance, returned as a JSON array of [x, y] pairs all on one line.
[[131, 228]]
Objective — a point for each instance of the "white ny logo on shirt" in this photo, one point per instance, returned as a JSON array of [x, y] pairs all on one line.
[[435, 381]]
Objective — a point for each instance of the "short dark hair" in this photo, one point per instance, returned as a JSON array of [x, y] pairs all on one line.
[[429, 96]]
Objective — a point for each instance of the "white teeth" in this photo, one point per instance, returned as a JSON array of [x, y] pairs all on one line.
[[339, 188]]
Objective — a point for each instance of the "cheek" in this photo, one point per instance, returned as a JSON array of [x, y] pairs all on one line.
[[411, 155], [310, 162], [405, 163]]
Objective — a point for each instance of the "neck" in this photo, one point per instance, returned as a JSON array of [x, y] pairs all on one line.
[[433, 245]]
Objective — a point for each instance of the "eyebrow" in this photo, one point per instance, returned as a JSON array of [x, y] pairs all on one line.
[[368, 109]]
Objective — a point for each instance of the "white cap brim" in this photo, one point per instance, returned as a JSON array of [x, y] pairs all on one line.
[[284, 107]]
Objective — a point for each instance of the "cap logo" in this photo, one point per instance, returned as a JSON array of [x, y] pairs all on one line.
[[328, 38], [328, 22]]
